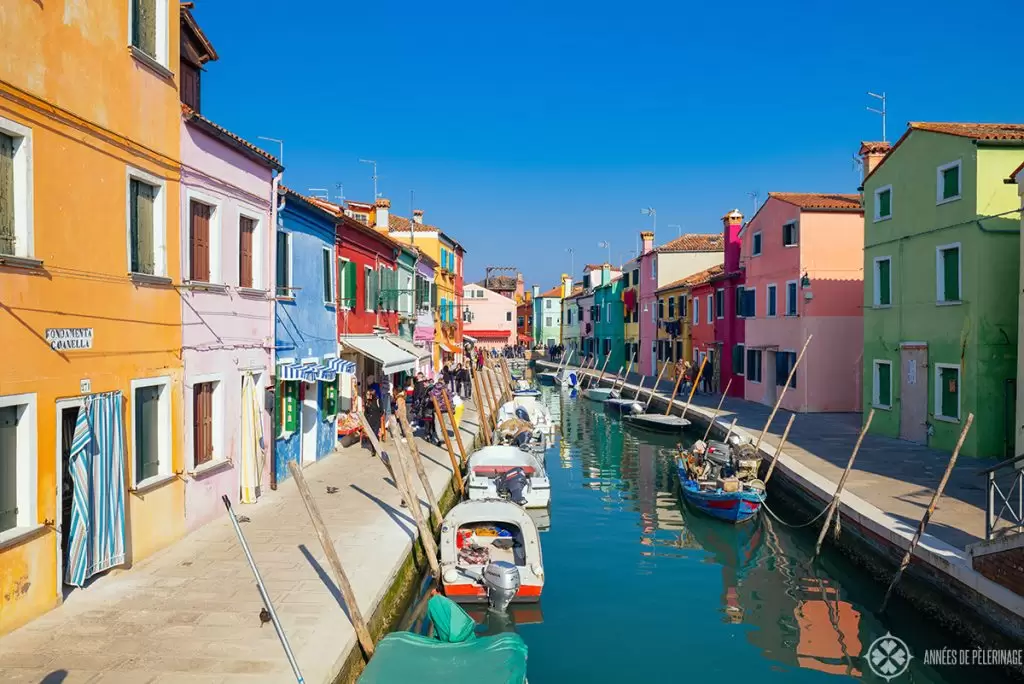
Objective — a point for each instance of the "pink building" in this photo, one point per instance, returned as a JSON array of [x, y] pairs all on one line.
[[803, 254], [492, 317]]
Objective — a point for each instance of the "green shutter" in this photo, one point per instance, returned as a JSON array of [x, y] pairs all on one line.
[[884, 283], [884, 384], [7, 233], [949, 379], [951, 274], [367, 289], [951, 182], [142, 207], [349, 283], [8, 467], [147, 432], [328, 295], [329, 399], [289, 398], [884, 203]]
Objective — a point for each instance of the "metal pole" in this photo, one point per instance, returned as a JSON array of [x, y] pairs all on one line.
[[263, 592]]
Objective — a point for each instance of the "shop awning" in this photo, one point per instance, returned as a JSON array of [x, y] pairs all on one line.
[[525, 338], [407, 346], [390, 357], [450, 348], [469, 338]]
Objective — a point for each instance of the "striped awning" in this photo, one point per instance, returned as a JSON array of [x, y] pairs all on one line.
[[340, 365], [305, 372]]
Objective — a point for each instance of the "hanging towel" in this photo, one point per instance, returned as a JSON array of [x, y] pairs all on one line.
[[253, 448], [97, 537]]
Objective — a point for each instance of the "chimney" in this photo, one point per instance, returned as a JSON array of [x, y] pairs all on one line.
[[536, 291], [732, 223], [383, 209], [871, 155], [566, 285], [417, 216], [606, 274], [647, 237]]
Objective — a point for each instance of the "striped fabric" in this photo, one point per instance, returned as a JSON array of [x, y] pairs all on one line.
[[289, 371], [252, 440], [97, 536], [340, 365], [325, 374]]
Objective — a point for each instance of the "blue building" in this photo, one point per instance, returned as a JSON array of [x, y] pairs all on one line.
[[305, 332]]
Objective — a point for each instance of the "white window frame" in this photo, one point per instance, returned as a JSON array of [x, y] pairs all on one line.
[[366, 290], [939, 199], [878, 192], [876, 298], [722, 290], [796, 233], [287, 287], [696, 310], [771, 296], [216, 237], [166, 471], [24, 214], [159, 220], [27, 465], [710, 303], [332, 273], [756, 241], [937, 391], [796, 299], [940, 274], [654, 268], [220, 455], [162, 56], [259, 277], [875, 385]]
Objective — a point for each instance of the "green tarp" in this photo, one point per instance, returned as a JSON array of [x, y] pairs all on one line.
[[451, 624]]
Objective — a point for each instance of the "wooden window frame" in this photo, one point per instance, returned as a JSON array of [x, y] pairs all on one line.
[[214, 252], [23, 204], [710, 304], [876, 295], [165, 470], [771, 300], [259, 251], [217, 422], [159, 221], [27, 465]]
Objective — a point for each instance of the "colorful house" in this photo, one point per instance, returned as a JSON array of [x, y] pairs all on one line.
[[609, 326], [678, 258], [571, 319], [701, 309], [306, 389], [1018, 177], [585, 304], [490, 317], [804, 277], [91, 317], [673, 340], [524, 318], [426, 305], [227, 305], [727, 372], [631, 306], [940, 248], [547, 321]]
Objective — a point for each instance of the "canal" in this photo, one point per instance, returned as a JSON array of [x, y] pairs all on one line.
[[640, 589]]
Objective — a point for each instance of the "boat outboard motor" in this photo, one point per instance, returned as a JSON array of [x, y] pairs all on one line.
[[636, 409], [522, 414], [510, 485], [501, 581], [522, 440]]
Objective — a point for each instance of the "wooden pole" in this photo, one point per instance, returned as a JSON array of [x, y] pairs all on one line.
[[481, 411], [693, 389], [778, 449], [458, 433], [604, 367], [639, 388], [778, 401], [928, 513], [654, 389], [362, 632], [732, 426], [625, 378], [584, 373], [377, 449], [492, 409], [591, 373], [417, 461], [717, 409], [426, 535], [675, 388], [834, 504], [456, 468]]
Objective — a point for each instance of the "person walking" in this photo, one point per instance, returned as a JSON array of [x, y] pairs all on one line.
[[374, 413]]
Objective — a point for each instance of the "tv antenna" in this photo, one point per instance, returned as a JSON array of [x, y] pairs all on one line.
[[371, 161], [327, 195], [881, 111], [678, 228], [754, 195], [341, 193]]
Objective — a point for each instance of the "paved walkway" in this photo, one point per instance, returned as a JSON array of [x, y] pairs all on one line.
[[190, 613], [896, 476]]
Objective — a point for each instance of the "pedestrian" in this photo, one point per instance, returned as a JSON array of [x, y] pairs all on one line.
[[479, 360], [374, 413]]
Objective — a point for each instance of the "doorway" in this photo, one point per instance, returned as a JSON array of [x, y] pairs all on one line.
[[67, 419], [771, 377], [914, 393], [310, 419]]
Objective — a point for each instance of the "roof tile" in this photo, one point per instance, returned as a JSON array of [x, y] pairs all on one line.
[[975, 131], [192, 115], [819, 200], [695, 242]]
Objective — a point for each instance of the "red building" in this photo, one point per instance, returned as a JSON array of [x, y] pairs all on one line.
[[702, 318], [524, 319], [731, 302], [367, 272]]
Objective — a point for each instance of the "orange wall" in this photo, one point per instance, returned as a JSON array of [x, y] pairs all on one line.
[[67, 74]]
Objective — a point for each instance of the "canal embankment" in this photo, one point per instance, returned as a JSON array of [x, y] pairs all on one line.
[[886, 494], [191, 613]]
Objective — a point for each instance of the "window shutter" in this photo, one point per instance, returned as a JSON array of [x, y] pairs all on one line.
[[884, 203], [326, 268], [142, 209], [8, 467], [145, 26], [951, 182], [367, 289], [884, 384], [246, 228], [949, 379], [282, 265], [951, 274], [289, 392], [7, 232], [202, 423], [199, 242], [884, 284]]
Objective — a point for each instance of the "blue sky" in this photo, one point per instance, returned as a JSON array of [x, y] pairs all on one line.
[[526, 128]]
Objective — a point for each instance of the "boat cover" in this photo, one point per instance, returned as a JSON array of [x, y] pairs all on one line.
[[451, 623], [403, 657]]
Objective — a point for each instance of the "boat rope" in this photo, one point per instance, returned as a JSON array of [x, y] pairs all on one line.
[[809, 522]]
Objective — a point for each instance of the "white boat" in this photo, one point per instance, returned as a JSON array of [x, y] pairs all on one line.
[[597, 393], [524, 390], [487, 467], [538, 414], [479, 536], [656, 422]]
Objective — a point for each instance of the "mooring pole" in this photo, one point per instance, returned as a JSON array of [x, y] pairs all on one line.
[[718, 409], [778, 449], [693, 389], [834, 504]]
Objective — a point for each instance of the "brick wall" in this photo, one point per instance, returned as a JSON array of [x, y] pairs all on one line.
[[1004, 567]]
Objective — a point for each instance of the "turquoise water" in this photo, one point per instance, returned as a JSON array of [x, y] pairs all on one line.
[[641, 590]]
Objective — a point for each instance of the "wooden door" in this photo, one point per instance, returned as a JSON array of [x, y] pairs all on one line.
[[914, 393]]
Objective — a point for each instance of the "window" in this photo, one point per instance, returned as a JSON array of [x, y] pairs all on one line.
[[711, 308], [719, 303], [586, 281], [330, 284], [883, 203], [754, 365], [771, 300], [146, 216], [203, 234], [661, 309], [508, 316], [682, 306], [755, 249], [284, 264], [749, 302], [679, 350], [738, 304], [547, 321], [785, 361], [671, 308], [882, 295], [18, 462], [881, 392], [15, 190], [789, 234], [636, 276], [947, 273], [738, 357], [151, 429], [207, 421], [791, 293], [947, 392], [246, 252], [347, 284], [696, 310], [547, 303], [947, 182], [370, 284], [148, 19]]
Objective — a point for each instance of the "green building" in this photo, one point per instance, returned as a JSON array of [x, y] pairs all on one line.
[[609, 323], [547, 315], [941, 268]]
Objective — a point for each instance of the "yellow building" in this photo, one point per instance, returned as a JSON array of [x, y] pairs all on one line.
[[673, 341], [90, 320]]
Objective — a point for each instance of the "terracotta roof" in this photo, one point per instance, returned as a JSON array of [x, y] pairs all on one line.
[[695, 242], [819, 200], [189, 22], [499, 282], [867, 147], [244, 146], [556, 291], [699, 278], [674, 285], [324, 207], [593, 267]]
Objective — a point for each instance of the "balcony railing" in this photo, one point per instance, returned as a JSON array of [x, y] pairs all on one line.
[[1009, 518]]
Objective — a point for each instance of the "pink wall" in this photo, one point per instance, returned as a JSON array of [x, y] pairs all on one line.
[[830, 251], [491, 312], [225, 332]]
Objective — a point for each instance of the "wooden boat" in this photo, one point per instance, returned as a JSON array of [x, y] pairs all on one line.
[[524, 390], [656, 422], [478, 532], [547, 378], [488, 464], [617, 404], [721, 484]]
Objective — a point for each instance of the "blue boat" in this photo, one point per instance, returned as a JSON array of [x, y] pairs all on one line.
[[732, 507]]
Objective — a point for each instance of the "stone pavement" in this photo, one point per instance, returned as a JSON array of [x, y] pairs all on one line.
[[896, 476], [190, 613]]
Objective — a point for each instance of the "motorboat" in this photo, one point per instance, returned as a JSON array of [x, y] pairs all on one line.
[[721, 480], [597, 394], [508, 473], [656, 422], [524, 390], [616, 403], [530, 410], [491, 553]]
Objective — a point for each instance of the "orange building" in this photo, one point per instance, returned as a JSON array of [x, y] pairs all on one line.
[[90, 318]]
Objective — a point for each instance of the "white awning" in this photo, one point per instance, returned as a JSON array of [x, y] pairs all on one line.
[[467, 338], [407, 346], [390, 357]]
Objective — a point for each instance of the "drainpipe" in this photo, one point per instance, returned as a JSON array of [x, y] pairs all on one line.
[[276, 209]]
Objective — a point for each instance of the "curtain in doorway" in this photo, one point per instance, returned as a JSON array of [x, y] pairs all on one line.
[[252, 440], [97, 537]]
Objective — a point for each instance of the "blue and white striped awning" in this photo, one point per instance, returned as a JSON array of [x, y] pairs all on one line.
[[297, 371], [340, 365]]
